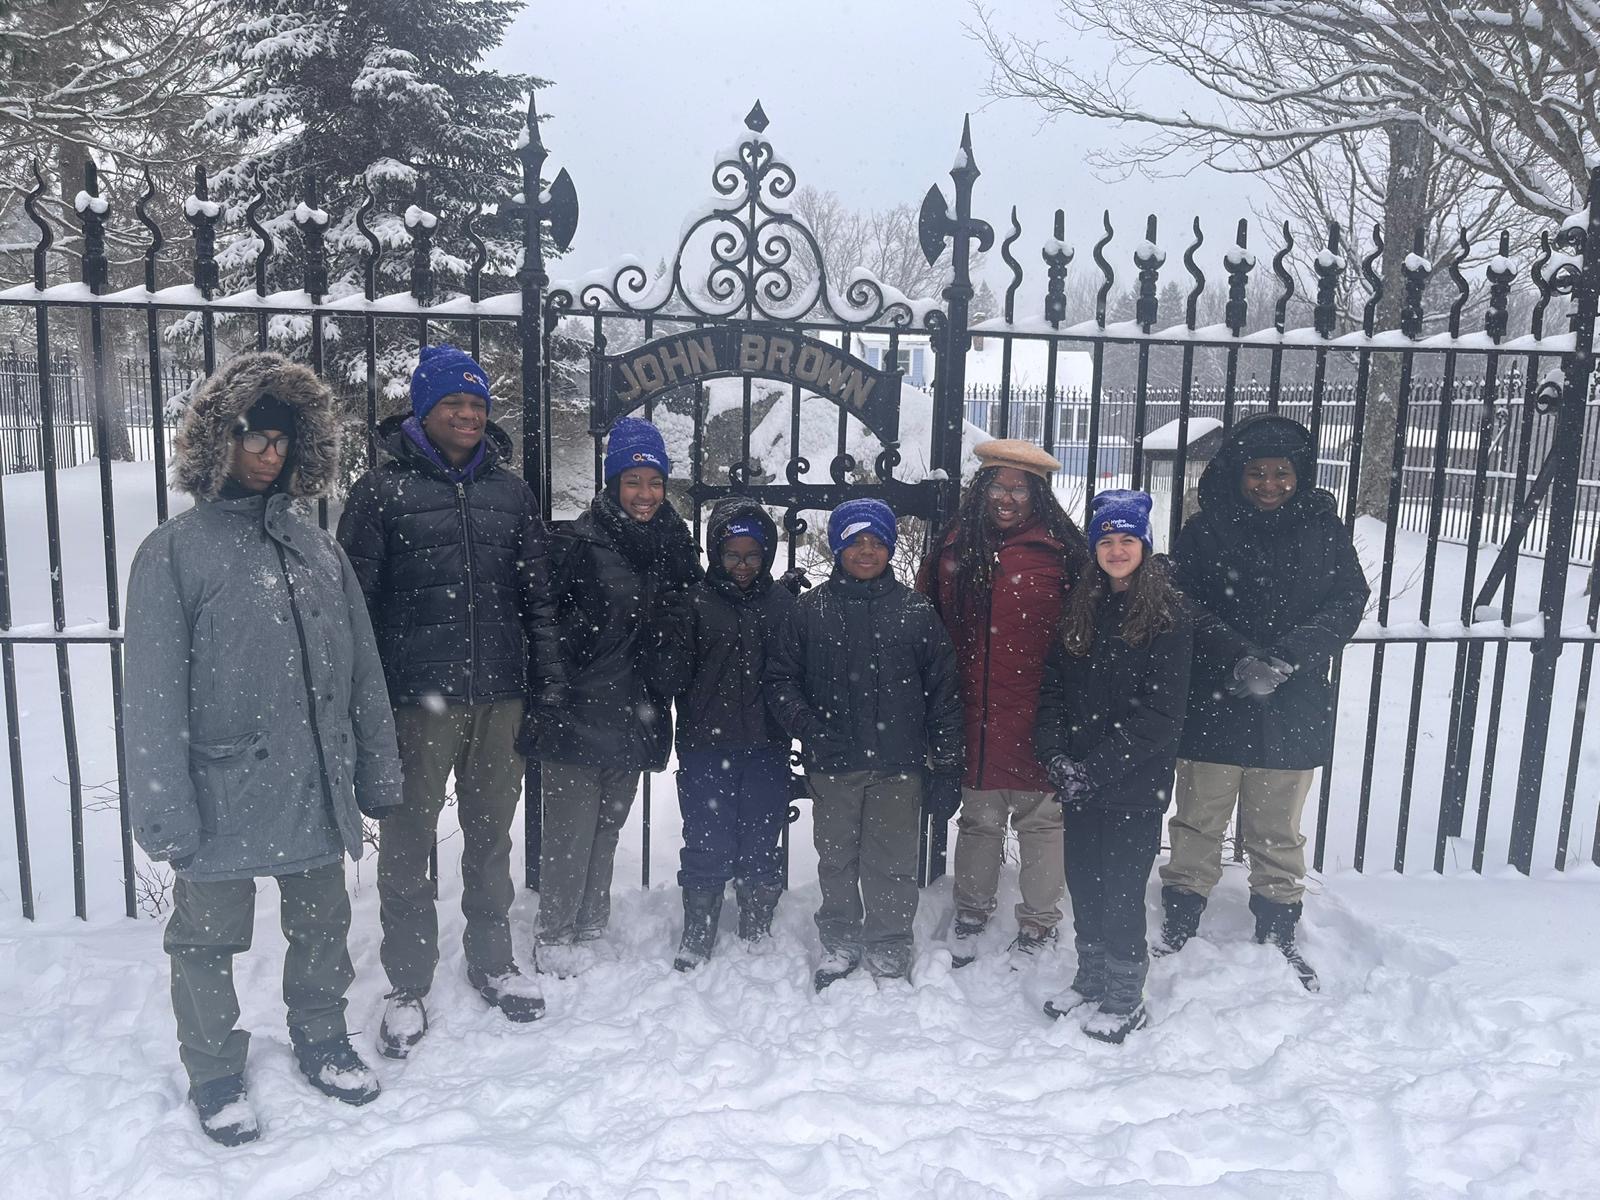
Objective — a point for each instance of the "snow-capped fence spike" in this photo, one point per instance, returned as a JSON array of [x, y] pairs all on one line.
[[1239, 262], [92, 209], [1463, 289], [1099, 255], [1541, 281], [1415, 269], [312, 223], [374, 250], [1191, 306], [1148, 258], [202, 213], [1369, 315], [252, 218], [141, 211], [1057, 255], [420, 223], [47, 236], [1502, 272], [1329, 268], [1280, 311], [1010, 306]]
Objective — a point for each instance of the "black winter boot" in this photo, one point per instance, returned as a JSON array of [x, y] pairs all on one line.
[[224, 1109], [405, 1023], [701, 909], [1088, 986], [964, 941], [335, 1069], [1180, 920], [757, 903], [1275, 926], [1121, 1009]]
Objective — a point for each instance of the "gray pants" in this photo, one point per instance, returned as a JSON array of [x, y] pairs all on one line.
[[212, 921], [866, 826], [478, 743], [585, 809], [1270, 804], [1037, 819]]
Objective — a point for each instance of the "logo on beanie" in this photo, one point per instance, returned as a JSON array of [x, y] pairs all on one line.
[[1113, 524], [644, 456], [477, 379], [851, 530]]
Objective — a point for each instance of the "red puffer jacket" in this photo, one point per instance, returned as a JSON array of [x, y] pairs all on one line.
[[1002, 667]]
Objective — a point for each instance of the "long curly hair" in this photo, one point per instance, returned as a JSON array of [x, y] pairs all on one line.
[[977, 544], [1152, 605]]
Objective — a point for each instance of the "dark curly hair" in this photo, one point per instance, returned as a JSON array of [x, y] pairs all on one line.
[[1152, 605]]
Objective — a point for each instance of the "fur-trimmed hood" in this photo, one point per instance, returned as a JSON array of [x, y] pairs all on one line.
[[203, 450]]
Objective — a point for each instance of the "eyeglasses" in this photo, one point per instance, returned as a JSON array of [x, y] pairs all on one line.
[[1020, 493], [257, 443], [753, 559]]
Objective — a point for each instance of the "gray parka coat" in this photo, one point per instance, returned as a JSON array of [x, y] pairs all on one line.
[[256, 713]]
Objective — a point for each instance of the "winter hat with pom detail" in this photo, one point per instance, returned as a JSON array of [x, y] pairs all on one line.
[[635, 443], [1118, 511], [855, 517], [443, 371]]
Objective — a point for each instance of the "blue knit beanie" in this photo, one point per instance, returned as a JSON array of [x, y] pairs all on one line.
[[855, 517], [1118, 511], [635, 443], [443, 371], [743, 527]]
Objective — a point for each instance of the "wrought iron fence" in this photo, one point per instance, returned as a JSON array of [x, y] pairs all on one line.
[[744, 297]]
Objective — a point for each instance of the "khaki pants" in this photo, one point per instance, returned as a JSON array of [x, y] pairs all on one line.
[[585, 809], [477, 742], [1037, 819], [212, 920], [1270, 804], [866, 825]]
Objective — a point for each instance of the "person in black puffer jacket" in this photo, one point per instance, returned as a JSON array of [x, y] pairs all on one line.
[[1110, 716], [733, 756], [1278, 591], [864, 674], [453, 556], [622, 585]]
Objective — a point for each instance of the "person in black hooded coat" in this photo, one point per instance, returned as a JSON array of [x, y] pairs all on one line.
[[621, 582], [733, 756], [1278, 590]]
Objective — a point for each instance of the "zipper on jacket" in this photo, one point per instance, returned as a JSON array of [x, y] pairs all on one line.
[[305, 679], [466, 547]]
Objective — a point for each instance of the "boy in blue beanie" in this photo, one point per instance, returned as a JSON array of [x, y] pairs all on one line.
[[453, 555], [864, 674]]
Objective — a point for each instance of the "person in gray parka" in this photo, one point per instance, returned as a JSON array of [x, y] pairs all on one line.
[[258, 726]]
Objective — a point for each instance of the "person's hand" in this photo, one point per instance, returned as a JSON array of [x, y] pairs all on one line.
[[552, 696], [1258, 678], [795, 580], [943, 796], [1068, 778], [823, 746]]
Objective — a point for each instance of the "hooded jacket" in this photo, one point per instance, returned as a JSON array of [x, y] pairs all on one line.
[[1284, 584], [612, 621], [1002, 652], [717, 659], [863, 673], [257, 722], [456, 573]]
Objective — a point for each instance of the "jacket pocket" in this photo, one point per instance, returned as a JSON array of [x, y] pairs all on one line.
[[221, 771]]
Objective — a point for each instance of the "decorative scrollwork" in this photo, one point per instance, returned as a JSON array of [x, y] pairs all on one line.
[[369, 256], [141, 210], [1280, 312], [47, 236], [1543, 283], [1104, 293], [1191, 306], [841, 468], [1369, 316], [795, 471], [888, 459], [764, 263], [1463, 290], [252, 218], [1016, 268], [794, 524]]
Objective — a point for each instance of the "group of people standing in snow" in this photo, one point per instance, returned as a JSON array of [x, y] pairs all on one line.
[[283, 682]]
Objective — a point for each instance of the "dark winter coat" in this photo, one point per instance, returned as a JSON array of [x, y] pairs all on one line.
[[1286, 584], [609, 609], [1002, 653], [863, 673], [1118, 710], [717, 660], [256, 716], [456, 574]]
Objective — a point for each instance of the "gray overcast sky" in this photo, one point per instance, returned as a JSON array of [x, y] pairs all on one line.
[[865, 98]]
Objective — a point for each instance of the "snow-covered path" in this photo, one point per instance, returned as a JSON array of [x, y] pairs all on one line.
[[1455, 1050]]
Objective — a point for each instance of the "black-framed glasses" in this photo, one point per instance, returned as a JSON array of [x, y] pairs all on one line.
[[1019, 493], [257, 443], [753, 559]]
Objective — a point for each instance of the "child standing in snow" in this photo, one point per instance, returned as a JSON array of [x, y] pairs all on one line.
[[864, 675], [733, 757], [1110, 717]]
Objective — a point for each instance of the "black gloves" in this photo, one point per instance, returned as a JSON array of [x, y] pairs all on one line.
[[824, 748], [1258, 678], [942, 795], [673, 610], [552, 696], [1069, 779], [795, 580]]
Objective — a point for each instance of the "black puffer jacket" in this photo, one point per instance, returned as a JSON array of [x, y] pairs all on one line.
[[1118, 710], [610, 580], [717, 660], [1286, 584], [864, 674], [456, 575]]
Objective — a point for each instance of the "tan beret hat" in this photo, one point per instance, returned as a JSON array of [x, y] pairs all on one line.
[[1014, 452]]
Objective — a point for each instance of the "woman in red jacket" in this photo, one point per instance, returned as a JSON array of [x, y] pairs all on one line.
[[999, 579]]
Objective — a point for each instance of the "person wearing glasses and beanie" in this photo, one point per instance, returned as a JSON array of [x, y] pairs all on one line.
[[623, 573], [453, 556], [863, 674], [258, 727], [999, 578], [733, 757]]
